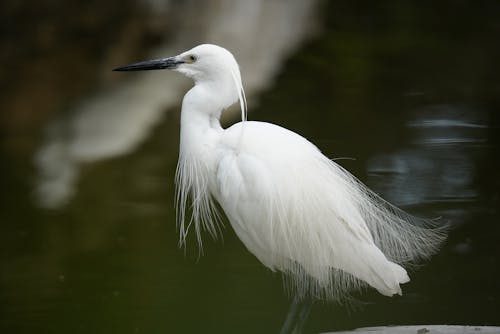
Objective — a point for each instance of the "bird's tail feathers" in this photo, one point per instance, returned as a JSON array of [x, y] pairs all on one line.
[[403, 238]]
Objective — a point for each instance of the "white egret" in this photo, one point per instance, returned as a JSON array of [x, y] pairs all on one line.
[[296, 210]]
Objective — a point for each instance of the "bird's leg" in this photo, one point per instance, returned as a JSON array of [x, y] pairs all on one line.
[[297, 316]]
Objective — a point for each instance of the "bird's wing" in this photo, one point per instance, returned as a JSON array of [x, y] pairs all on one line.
[[297, 213]]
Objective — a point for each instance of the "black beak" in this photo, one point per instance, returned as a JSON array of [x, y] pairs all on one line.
[[156, 64]]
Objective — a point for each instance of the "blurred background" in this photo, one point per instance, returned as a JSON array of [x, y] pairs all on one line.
[[408, 91]]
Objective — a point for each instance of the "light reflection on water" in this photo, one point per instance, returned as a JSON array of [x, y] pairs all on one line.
[[438, 165]]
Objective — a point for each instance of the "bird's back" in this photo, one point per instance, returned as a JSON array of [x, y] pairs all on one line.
[[302, 214]]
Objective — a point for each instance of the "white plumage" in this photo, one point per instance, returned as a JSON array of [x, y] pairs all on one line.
[[297, 211]]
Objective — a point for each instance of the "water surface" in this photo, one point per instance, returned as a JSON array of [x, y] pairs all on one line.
[[409, 93]]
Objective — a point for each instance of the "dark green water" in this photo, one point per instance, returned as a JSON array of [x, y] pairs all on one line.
[[411, 92]]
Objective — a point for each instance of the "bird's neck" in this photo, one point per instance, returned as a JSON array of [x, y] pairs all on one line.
[[200, 125]]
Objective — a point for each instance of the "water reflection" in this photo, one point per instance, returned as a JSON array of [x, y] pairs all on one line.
[[116, 120], [439, 164]]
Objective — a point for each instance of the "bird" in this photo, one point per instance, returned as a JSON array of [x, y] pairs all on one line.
[[296, 210]]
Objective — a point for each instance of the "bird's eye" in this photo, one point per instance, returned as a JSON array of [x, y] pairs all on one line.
[[192, 58]]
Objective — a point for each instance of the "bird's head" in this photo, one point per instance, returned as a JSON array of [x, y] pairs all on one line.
[[206, 63]]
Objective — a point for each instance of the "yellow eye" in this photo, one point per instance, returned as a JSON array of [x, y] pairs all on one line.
[[192, 58]]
